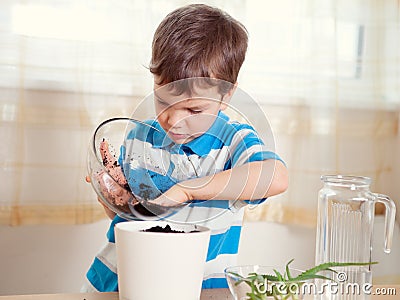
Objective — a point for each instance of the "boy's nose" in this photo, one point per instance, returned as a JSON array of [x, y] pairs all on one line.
[[175, 117]]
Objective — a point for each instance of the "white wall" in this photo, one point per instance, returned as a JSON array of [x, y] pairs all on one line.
[[54, 259], [268, 243], [47, 259], [275, 244]]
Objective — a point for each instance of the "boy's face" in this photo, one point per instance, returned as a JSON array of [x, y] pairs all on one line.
[[184, 117]]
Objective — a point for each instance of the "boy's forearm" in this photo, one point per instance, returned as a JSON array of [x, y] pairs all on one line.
[[255, 180]]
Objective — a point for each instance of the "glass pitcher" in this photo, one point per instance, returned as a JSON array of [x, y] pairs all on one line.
[[346, 209]]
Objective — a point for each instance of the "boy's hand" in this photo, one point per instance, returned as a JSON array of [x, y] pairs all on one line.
[[108, 211], [110, 189], [113, 192], [111, 164], [173, 197]]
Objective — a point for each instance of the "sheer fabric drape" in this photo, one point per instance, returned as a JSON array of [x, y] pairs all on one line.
[[329, 81]]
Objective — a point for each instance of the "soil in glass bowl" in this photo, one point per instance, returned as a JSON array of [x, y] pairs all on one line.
[[134, 202]]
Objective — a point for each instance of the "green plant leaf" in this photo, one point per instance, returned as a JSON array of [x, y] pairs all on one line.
[[287, 269], [278, 275], [329, 265]]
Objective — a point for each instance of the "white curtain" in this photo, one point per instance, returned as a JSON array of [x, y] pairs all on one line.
[[328, 76], [325, 72]]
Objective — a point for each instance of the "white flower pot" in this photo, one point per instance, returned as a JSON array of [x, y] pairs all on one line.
[[157, 265]]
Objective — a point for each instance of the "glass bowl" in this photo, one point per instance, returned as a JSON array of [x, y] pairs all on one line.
[[247, 279], [124, 197]]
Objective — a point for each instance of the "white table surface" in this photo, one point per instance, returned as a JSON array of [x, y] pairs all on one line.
[[210, 294]]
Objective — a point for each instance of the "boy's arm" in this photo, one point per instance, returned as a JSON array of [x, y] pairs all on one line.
[[251, 181], [108, 211]]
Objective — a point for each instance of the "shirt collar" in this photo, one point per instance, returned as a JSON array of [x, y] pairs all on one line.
[[161, 138], [203, 144]]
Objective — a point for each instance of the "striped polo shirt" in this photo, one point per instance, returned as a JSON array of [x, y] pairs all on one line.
[[161, 164]]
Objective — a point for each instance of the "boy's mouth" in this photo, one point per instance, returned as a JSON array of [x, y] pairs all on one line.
[[177, 136]]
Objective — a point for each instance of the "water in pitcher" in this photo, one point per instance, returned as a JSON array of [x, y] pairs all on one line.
[[346, 209]]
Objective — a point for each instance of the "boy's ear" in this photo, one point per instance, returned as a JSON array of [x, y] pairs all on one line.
[[227, 97]]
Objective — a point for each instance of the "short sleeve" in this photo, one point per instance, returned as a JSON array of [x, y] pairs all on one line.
[[247, 146]]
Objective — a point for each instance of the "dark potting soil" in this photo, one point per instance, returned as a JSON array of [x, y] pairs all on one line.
[[166, 229], [143, 210]]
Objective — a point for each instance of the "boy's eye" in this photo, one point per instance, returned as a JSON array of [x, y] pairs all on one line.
[[160, 102], [194, 111]]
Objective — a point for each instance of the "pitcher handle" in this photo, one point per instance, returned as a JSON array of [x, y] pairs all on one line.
[[390, 214]]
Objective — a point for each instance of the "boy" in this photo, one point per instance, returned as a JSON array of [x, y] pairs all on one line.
[[197, 53]]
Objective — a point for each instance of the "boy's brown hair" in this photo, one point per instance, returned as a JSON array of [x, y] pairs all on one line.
[[198, 41]]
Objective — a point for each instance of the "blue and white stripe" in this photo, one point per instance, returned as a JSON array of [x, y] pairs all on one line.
[[225, 145]]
